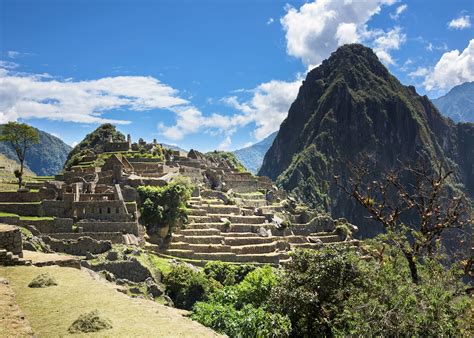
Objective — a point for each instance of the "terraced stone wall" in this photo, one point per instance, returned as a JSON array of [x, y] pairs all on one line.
[[10, 239]]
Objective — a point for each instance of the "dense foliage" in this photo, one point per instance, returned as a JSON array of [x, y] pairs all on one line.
[[44, 158], [331, 292], [227, 156], [335, 292], [94, 141], [164, 206], [240, 310]]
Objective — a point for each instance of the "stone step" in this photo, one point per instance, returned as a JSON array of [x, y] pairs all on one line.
[[327, 238], [269, 258], [244, 227], [200, 247], [215, 256], [216, 225], [236, 241], [199, 219], [198, 239], [199, 232], [255, 248], [222, 209], [295, 239], [308, 245], [239, 234], [252, 203], [180, 253], [250, 196], [196, 212], [237, 218]]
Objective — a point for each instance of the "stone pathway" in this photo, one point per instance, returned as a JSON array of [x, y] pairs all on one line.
[[12, 321]]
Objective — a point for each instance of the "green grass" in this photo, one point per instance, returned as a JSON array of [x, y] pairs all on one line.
[[52, 310], [25, 203], [7, 214], [36, 218]]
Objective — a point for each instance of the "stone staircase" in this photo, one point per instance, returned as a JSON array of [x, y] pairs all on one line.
[[231, 233], [9, 259]]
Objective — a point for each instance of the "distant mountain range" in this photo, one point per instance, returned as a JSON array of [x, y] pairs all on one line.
[[458, 103], [350, 106], [44, 159], [252, 157]]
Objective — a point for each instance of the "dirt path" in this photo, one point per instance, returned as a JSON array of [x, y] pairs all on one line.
[[12, 321], [52, 310]]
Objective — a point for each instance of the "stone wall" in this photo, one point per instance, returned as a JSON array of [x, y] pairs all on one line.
[[97, 226], [10, 239], [13, 196], [22, 209], [113, 237], [130, 270], [57, 208], [114, 211], [79, 247]]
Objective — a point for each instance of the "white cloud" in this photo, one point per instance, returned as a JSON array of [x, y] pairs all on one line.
[[400, 9], [40, 96], [419, 72], [8, 65], [270, 21], [460, 23], [432, 47], [13, 54], [268, 106], [316, 29], [391, 40], [453, 68], [225, 144]]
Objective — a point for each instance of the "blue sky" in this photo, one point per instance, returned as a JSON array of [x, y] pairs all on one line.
[[207, 74]]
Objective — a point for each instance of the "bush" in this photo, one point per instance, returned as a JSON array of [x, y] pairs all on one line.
[[225, 273], [247, 322], [240, 310], [334, 292], [161, 206], [185, 286], [389, 303]]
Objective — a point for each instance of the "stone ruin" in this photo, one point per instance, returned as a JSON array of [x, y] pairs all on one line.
[[233, 216]]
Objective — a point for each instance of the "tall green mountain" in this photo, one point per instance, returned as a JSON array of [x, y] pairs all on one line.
[[252, 156], [458, 103], [45, 158], [351, 105], [94, 141]]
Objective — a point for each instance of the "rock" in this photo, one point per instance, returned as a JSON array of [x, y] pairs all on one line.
[[262, 232], [43, 280], [112, 256], [168, 301], [90, 256], [277, 221], [108, 276], [135, 290], [155, 290], [315, 240]]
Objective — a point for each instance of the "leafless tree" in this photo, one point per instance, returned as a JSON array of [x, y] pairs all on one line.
[[419, 193]]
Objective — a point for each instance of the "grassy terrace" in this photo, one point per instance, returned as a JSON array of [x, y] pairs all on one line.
[[26, 218], [51, 311]]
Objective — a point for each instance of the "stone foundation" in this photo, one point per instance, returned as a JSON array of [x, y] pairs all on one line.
[[10, 239]]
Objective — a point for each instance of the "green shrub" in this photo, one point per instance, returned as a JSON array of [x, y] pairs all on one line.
[[161, 206], [225, 273], [313, 289], [185, 286], [246, 322]]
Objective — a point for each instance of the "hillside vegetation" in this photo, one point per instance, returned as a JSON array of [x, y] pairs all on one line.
[[45, 158], [350, 107]]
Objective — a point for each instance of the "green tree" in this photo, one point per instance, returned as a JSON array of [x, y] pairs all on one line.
[[164, 206], [21, 136]]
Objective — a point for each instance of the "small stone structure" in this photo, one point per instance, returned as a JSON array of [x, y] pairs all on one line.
[[10, 239]]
